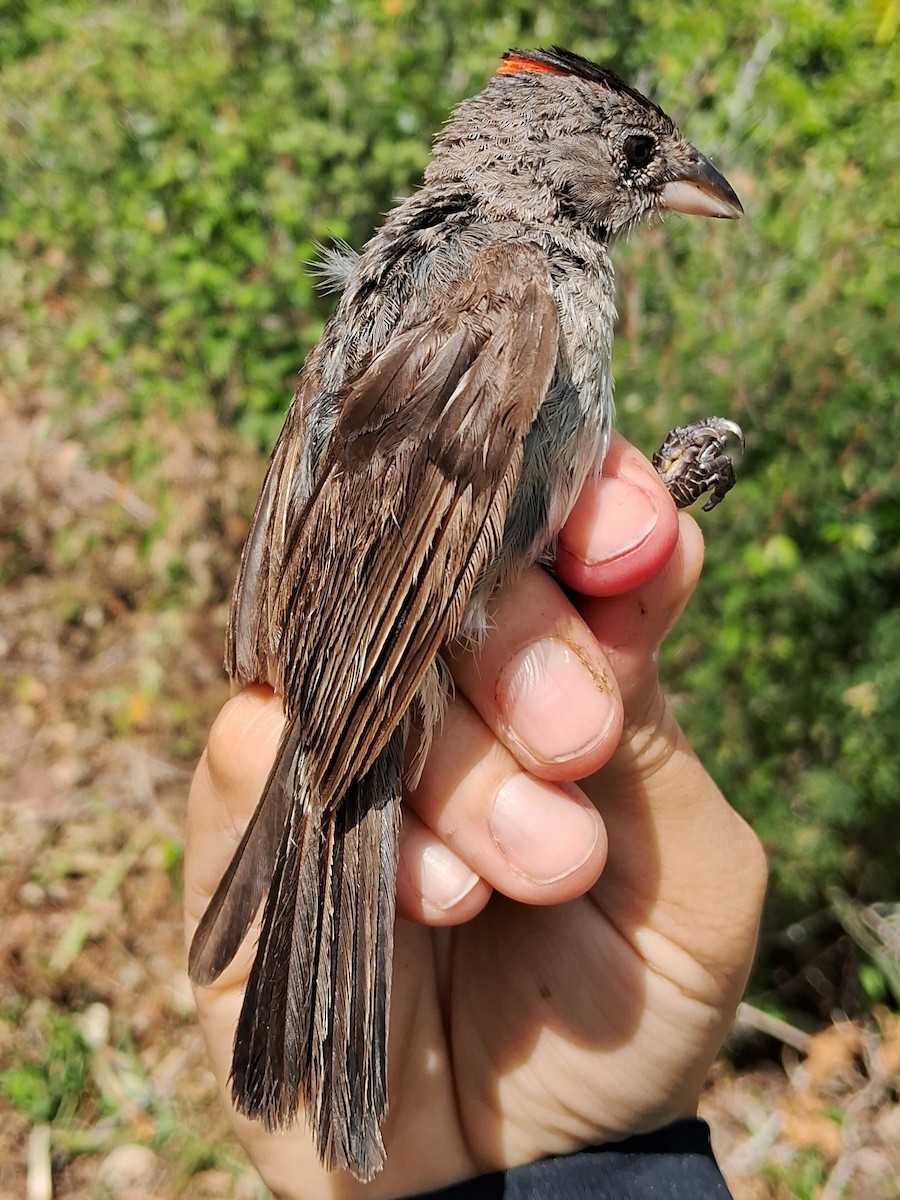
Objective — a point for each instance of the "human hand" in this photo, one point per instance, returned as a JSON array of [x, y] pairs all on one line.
[[588, 998]]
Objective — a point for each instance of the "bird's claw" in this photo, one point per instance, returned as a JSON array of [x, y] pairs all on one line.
[[692, 461]]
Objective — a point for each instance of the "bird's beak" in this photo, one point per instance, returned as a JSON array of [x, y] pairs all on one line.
[[701, 191]]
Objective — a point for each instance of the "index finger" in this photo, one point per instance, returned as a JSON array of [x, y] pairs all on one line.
[[622, 530]]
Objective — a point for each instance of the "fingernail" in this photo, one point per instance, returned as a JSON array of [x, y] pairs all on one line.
[[444, 879], [553, 703], [544, 834], [627, 517]]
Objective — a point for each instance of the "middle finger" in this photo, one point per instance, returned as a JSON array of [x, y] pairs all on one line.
[[542, 682]]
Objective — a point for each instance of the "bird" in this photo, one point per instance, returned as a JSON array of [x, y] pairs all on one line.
[[441, 430]]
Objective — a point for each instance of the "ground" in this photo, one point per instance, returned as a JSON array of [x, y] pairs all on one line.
[[116, 565]]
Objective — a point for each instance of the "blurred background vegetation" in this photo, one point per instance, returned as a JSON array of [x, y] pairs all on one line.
[[167, 171]]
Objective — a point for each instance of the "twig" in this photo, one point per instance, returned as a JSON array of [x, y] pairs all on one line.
[[750, 1017], [839, 1177], [857, 922], [748, 1157], [40, 1171]]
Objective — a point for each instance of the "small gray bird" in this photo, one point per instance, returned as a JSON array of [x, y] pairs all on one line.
[[441, 430]]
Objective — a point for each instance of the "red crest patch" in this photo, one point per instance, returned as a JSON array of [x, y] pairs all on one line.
[[515, 64]]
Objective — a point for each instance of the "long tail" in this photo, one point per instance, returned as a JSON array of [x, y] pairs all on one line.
[[314, 1022]]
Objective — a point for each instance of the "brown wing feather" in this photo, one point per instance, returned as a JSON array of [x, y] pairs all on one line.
[[344, 604], [249, 611], [410, 504]]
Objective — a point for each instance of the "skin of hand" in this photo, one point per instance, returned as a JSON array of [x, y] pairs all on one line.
[[568, 956]]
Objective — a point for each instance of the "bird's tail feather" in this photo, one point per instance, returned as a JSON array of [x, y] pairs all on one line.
[[313, 1026], [236, 900]]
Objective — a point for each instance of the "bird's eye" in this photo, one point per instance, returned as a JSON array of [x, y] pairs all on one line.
[[639, 149]]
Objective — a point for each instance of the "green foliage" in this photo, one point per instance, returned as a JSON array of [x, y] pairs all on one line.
[[801, 1177], [51, 1077], [169, 169]]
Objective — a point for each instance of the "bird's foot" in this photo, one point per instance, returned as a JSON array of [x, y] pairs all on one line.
[[692, 461]]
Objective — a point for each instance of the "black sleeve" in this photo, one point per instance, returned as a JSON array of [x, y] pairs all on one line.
[[675, 1163]]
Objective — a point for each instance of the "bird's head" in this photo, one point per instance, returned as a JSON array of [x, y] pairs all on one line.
[[556, 137]]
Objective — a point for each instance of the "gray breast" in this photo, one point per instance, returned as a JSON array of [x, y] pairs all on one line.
[[570, 436]]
